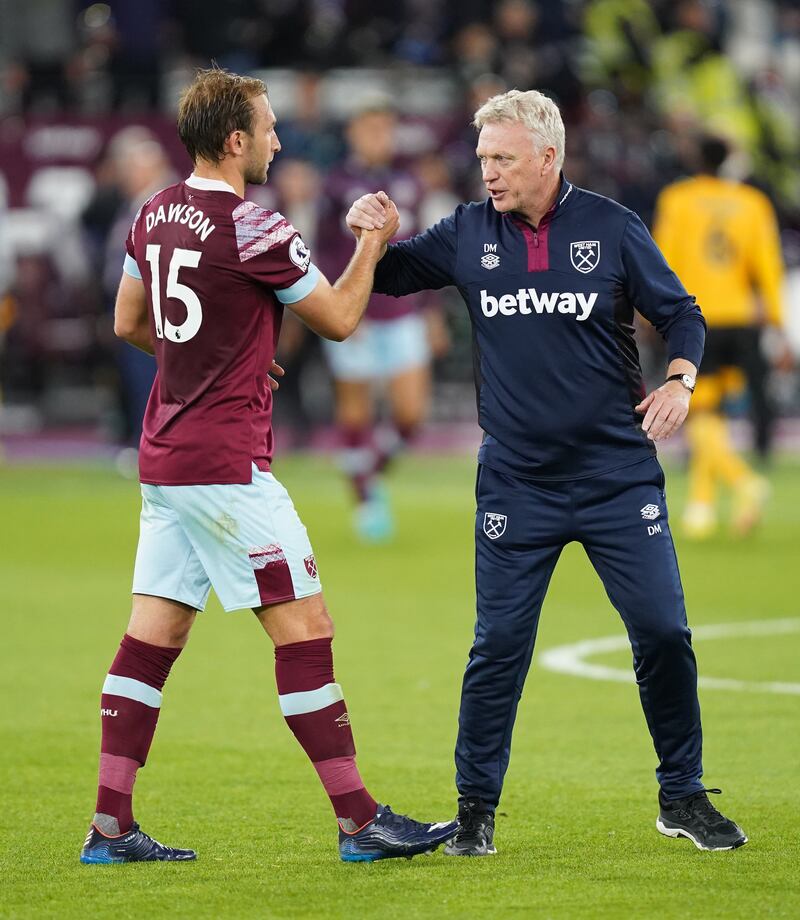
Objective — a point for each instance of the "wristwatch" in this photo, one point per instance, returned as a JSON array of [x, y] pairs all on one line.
[[686, 379]]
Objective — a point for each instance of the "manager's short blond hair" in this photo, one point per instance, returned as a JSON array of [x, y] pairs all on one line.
[[534, 110]]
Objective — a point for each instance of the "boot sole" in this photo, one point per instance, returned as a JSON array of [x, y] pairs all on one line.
[[682, 832], [491, 851]]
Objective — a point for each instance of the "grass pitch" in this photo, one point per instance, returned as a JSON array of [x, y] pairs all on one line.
[[575, 835]]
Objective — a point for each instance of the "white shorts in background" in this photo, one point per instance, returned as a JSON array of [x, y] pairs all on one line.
[[380, 349], [246, 541]]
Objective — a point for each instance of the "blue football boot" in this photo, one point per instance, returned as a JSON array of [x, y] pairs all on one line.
[[134, 846], [373, 518], [388, 836]]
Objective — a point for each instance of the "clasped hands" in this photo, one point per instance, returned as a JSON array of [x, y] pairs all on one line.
[[374, 212]]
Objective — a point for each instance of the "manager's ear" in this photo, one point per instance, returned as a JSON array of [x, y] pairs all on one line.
[[548, 159]]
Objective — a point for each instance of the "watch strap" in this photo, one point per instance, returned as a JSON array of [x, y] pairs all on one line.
[[679, 377]]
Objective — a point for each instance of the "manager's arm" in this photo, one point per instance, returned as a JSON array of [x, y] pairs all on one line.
[[425, 262], [657, 293], [335, 310]]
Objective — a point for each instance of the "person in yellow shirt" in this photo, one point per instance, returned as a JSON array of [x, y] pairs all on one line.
[[721, 238]]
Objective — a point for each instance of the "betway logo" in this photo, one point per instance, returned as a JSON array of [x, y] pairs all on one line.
[[527, 300]]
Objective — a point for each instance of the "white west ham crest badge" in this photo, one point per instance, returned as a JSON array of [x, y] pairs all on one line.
[[494, 525], [311, 566], [585, 255]]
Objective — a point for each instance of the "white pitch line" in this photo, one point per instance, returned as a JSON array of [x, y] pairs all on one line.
[[570, 659]]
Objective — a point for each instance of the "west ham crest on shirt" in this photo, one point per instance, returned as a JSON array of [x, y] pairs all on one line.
[[494, 525], [585, 255]]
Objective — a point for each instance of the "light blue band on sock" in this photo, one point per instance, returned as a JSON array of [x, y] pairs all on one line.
[[295, 704], [133, 690]]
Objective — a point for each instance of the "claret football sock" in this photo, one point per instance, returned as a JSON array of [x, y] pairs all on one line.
[[129, 709], [391, 442], [358, 460], [314, 709]]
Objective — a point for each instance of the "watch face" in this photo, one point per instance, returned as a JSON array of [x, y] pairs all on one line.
[[687, 381]]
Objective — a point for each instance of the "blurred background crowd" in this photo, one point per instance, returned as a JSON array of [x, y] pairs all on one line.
[[383, 90]]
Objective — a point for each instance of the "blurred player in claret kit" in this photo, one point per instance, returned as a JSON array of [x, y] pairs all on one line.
[[390, 348], [205, 281]]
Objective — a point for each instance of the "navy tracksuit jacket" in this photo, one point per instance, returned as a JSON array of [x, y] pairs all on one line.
[[563, 455]]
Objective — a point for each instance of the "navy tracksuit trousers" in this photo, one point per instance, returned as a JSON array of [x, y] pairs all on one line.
[[521, 527]]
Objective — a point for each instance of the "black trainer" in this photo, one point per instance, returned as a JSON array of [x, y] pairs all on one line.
[[696, 818], [475, 834]]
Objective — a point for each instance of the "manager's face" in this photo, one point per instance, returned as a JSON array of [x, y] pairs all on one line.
[[515, 166]]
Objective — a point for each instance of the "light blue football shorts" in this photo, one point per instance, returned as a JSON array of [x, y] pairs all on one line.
[[380, 349], [246, 541]]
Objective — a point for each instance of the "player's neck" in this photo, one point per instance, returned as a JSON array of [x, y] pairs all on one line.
[[543, 203], [222, 172]]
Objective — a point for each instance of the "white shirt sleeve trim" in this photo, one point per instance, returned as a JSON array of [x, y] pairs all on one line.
[[301, 288], [130, 267]]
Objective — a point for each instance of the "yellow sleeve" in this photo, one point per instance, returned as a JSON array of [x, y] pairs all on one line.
[[767, 261], [666, 226]]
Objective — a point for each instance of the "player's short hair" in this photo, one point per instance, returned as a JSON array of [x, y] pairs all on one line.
[[214, 104], [533, 109]]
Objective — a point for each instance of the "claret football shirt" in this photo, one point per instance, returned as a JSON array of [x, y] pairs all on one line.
[[217, 270]]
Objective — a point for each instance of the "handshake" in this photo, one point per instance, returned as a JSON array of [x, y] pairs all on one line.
[[374, 213]]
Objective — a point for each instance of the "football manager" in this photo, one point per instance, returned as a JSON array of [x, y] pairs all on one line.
[[551, 275]]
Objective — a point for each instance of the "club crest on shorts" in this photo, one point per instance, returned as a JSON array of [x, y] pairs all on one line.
[[585, 255], [494, 525], [311, 565]]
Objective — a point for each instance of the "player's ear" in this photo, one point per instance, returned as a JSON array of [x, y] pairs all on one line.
[[234, 143]]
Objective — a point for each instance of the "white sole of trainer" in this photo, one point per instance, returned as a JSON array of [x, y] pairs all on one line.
[[490, 852], [680, 832]]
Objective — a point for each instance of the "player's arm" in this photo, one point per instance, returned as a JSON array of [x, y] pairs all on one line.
[[767, 262], [666, 226], [131, 315], [335, 310]]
